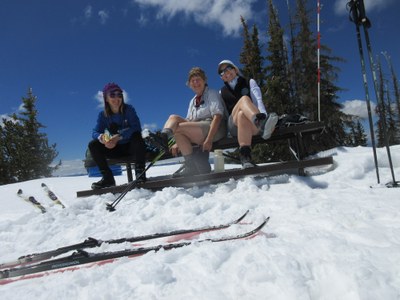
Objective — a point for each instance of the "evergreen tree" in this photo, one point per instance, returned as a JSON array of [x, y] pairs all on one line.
[[25, 152], [396, 96], [356, 136], [387, 128], [306, 61], [361, 138], [250, 56], [278, 89], [293, 68]]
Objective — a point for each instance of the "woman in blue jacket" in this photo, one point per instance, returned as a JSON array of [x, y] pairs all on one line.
[[117, 133]]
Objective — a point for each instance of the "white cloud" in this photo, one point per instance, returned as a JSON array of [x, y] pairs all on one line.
[[143, 20], [104, 15], [4, 118], [151, 127], [88, 12], [340, 7], [225, 13], [358, 108]]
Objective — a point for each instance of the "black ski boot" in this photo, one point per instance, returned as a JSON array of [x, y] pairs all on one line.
[[107, 181], [245, 157], [140, 173]]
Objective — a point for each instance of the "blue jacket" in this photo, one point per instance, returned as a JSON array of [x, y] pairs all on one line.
[[126, 124]]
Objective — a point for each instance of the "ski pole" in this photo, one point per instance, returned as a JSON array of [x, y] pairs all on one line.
[[367, 24], [355, 17], [111, 206]]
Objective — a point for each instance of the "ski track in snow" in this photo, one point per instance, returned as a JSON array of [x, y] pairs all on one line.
[[330, 236]]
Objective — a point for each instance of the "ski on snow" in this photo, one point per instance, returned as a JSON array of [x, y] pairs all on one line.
[[73, 261], [51, 195], [31, 200], [92, 243]]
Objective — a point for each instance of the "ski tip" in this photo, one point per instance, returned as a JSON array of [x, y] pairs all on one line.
[[19, 192], [43, 184], [263, 223], [243, 216]]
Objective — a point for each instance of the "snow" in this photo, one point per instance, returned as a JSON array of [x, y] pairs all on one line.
[[333, 235]]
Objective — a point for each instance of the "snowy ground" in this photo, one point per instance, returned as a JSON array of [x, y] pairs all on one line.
[[330, 236]]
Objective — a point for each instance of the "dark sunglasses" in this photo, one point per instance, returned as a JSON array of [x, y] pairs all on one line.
[[228, 68], [114, 95]]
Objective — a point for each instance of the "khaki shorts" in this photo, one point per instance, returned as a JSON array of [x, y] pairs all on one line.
[[205, 127]]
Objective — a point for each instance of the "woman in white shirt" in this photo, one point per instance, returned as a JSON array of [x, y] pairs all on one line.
[[247, 113]]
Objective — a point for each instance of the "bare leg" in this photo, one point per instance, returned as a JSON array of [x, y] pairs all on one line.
[[173, 122], [243, 114], [186, 134], [245, 130], [246, 106]]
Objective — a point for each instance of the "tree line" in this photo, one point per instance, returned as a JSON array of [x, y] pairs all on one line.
[[287, 75]]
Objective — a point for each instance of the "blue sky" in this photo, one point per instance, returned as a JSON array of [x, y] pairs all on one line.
[[67, 51]]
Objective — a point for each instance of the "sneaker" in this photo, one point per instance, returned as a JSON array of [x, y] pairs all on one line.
[[103, 183], [269, 126]]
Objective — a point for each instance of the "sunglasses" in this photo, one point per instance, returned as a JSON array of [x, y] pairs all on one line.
[[228, 68], [115, 95]]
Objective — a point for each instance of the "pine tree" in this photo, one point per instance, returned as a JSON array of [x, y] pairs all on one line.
[[361, 138], [11, 133], [306, 61], [387, 130], [278, 89], [293, 67], [25, 152], [356, 136], [396, 96], [250, 56]]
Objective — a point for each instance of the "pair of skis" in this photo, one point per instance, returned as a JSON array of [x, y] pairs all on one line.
[[32, 200], [40, 264]]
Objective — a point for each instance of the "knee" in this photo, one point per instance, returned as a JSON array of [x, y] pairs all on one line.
[[245, 100], [174, 118]]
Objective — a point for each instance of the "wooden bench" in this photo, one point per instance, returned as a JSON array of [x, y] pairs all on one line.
[[294, 135]]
